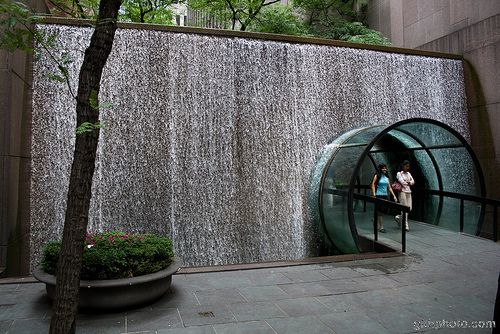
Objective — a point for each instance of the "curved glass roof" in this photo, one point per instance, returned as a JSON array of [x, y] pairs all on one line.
[[442, 163]]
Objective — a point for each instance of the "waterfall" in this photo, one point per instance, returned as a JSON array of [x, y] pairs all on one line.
[[211, 139]]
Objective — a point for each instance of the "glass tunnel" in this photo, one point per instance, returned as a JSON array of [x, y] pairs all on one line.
[[442, 164]]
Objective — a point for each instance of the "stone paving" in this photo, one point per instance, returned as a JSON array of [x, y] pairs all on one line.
[[446, 281]]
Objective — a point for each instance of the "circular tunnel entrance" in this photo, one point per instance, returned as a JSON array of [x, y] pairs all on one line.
[[442, 163]]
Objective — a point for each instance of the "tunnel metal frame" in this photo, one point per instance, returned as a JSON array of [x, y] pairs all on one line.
[[366, 153]]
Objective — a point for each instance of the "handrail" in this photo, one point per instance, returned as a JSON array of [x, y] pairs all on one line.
[[399, 207], [391, 205], [471, 198], [464, 197], [378, 203]]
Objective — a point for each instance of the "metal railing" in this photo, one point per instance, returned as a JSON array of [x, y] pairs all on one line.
[[379, 204], [393, 206], [385, 204], [470, 198]]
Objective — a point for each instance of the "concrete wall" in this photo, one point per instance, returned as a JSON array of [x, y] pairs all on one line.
[[412, 23], [467, 27], [15, 120], [14, 158]]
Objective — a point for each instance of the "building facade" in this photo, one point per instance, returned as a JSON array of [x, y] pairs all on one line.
[[470, 28]]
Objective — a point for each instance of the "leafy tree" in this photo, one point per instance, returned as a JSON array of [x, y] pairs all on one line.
[[147, 11], [16, 25], [278, 19], [326, 13], [82, 169], [143, 11], [85, 9], [337, 19], [240, 13]]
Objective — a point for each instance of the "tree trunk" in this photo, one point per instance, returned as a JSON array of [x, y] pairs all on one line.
[[82, 171]]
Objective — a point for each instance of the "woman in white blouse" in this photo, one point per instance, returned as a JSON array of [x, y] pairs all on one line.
[[406, 180]]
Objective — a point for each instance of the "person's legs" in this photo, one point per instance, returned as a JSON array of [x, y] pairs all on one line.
[[399, 217], [380, 216], [380, 221], [405, 199]]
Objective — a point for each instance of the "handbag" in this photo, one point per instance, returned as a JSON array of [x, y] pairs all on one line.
[[396, 187]]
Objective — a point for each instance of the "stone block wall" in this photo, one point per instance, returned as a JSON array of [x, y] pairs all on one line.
[[466, 27]]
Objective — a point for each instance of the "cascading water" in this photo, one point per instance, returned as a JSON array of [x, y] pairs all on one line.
[[212, 139]]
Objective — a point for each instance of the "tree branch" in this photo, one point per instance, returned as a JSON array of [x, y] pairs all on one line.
[[270, 3], [52, 56]]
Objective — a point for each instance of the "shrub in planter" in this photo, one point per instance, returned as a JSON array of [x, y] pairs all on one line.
[[115, 255]]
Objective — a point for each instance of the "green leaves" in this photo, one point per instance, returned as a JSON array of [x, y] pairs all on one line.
[[356, 32], [85, 9], [94, 104], [18, 33], [56, 77], [50, 256], [279, 19], [238, 14], [111, 255], [147, 11], [337, 19], [15, 22], [88, 127]]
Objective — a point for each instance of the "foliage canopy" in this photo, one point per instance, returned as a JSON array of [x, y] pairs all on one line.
[[143, 11], [332, 19], [147, 11], [279, 19], [338, 19], [239, 13]]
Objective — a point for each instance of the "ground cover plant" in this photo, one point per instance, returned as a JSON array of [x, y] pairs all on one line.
[[114, 255]]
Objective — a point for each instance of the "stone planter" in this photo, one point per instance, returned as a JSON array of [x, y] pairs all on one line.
[[116, 293]]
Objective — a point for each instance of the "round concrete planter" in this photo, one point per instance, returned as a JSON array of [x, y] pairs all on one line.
[[116, 293]]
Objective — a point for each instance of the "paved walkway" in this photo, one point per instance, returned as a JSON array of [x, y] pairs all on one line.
[[446, 280]]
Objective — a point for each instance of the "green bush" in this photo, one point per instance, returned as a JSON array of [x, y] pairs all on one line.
[[356, 32], [278, 19], [112, 255]]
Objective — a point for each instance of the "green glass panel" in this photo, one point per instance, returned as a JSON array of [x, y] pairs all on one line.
[[347, 136], [488, 223], [430, 208], [334, 207], [335, 215], [366, 136], [363, 215], [428, 169], [472, 212], [344, 164], [405, 139], [365, 175], [450, 216], [457, 171], [430, 134]]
